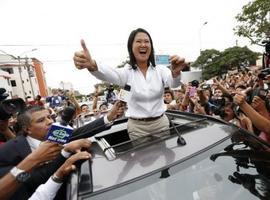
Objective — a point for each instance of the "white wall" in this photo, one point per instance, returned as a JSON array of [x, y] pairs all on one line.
[[4, 82], [190, 76]]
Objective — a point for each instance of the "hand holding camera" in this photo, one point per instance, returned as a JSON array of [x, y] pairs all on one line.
[[259, 104], [239, 99], [9, 106]]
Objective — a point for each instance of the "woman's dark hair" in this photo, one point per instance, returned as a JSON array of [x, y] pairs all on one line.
[[24, 118], [132, 60]]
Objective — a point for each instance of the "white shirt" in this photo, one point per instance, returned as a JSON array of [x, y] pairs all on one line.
[[146, 92], [33, 143], [46, 191]]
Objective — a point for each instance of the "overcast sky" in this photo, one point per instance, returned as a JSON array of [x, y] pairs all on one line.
[[55, 28]]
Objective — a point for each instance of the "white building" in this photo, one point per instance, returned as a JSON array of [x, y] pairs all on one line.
[[66, 85], [22, 74]]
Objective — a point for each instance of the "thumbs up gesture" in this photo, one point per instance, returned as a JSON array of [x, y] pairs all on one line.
[[83, 60]]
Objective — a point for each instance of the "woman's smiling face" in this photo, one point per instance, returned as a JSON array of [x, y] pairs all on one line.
[[141, 48]]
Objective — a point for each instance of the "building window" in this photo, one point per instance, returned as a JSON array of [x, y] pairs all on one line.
[[13, 83], [27, 80], [9, 70], [30, 92]]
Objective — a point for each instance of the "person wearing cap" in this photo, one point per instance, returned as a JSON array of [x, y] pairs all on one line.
[[147, 80]]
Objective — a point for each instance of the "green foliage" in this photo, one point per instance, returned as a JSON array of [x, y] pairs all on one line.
[[215, 63], [123, 63], [254, 21]]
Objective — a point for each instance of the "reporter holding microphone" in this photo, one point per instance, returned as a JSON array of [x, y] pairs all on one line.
[[146, 80]]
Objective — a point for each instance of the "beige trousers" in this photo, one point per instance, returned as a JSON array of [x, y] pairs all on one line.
[[137, 129]]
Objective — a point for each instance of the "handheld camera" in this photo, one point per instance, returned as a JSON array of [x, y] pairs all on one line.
[[8, 107]]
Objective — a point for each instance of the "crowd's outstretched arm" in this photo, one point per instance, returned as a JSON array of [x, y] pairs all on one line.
[[262, 123], [99, 124]]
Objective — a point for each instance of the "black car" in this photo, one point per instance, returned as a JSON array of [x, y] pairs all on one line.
[[218, 161]]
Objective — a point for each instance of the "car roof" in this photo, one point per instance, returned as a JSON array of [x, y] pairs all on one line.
[[114, 166]]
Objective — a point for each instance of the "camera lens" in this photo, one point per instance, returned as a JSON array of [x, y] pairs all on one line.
[[10, 108]]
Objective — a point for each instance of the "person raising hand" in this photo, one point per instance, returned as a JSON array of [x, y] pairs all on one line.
[[146, 80]]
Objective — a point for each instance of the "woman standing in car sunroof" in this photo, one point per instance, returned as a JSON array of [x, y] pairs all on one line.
[[147, 80]]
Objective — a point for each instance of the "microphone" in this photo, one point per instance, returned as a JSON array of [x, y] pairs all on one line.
[[61, 132], [124, 94]]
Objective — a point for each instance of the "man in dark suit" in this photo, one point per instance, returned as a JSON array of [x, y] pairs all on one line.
[[34, 124], [44, 153]]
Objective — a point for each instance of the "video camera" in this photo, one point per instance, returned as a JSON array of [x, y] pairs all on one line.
[[8, 107], [260, 93], [263, 73], [217, 106]]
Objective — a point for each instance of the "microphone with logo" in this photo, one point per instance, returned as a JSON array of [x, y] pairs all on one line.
[[124, 94], [61, 132]]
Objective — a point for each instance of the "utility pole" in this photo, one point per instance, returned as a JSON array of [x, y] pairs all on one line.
[[20, 73], [26, 64], [30, 76]]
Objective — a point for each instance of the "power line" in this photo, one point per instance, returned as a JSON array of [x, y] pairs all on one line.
[[96, 44], [27, 45], [64, 45]]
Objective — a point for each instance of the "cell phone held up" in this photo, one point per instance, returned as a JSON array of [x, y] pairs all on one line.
[[192, 91]]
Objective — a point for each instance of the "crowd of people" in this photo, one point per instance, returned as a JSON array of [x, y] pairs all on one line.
[[32, 167], [241, 98]]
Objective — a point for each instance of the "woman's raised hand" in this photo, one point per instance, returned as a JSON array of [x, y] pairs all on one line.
[[82, 59], [178, 64]]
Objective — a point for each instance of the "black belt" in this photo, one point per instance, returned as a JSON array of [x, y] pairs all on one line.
[[147, 119]]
